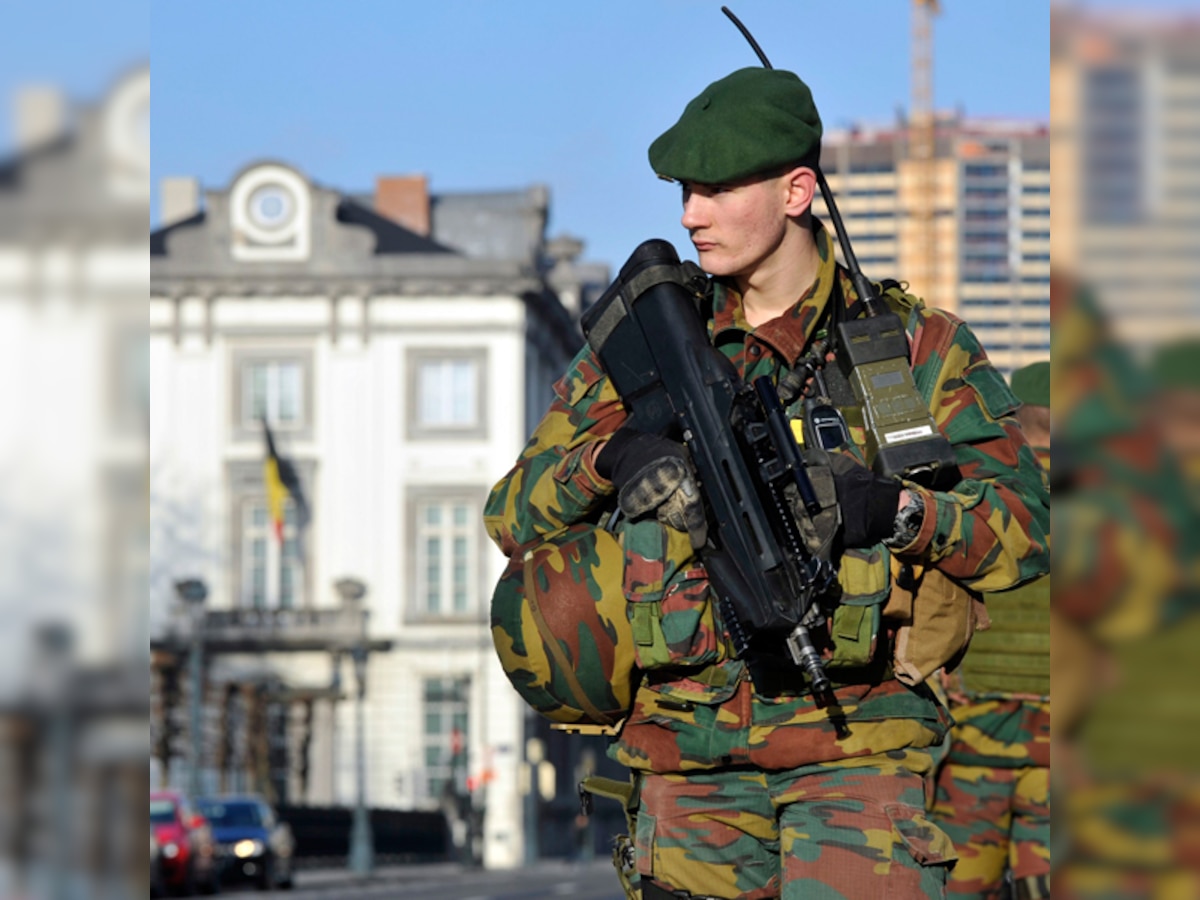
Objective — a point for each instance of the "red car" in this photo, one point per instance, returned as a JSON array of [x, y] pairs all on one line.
[[185, 845]]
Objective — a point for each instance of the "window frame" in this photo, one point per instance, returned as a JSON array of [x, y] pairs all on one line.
[[461, 705], [415, 359], [247, 429], [478, 592], [245, 487]]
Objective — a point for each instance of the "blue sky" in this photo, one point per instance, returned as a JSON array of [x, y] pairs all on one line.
[[500, 95]]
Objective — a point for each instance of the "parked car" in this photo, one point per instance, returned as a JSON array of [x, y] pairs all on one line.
[[186, 847], [253, 843]]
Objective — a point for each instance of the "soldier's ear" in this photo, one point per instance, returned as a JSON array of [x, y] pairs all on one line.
[[800, 184]]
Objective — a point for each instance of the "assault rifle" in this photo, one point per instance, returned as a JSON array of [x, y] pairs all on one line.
[[653, 344]]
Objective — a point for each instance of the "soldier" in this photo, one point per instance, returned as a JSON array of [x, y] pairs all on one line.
[[742, 788], [993, 791], [1126, 580]]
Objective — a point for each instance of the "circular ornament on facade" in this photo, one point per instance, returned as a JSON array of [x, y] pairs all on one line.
[[270, 209], [271, 206]]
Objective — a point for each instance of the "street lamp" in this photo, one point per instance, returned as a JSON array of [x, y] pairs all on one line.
[[55, 641], [362, 841], [193, 592]]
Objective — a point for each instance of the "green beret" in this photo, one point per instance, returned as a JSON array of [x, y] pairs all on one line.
[[751, 121], [1031, 383], [1177, 364]]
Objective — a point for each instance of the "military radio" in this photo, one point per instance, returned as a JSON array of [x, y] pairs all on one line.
[[902, 438]]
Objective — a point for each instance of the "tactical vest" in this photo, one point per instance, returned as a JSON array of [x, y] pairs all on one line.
[[1013, 656]]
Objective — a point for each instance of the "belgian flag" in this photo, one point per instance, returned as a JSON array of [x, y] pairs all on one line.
[[282, 482]]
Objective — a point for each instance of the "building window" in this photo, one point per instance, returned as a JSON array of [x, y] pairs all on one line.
[[986, 301], [446, 394], [974, 191], [984, 170], [867, 168], [274, 389], [446, 721], [445, 557], [985, 277], [272, 574], [276, 384], [264, 571]]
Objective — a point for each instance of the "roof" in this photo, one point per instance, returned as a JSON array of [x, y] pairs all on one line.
[[390, 237]]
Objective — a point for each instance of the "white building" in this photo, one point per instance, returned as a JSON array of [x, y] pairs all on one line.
[[74, 199], [401, 346]]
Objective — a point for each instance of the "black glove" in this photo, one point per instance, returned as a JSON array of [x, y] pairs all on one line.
[[654, 474], [868, 501]]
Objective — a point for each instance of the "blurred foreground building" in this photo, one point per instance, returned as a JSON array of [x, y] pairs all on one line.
[[991, 222], [401, 345], [1125, 96], [74, 198]]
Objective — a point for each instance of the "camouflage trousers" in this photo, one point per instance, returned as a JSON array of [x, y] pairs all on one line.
[[999, 820], [1132, 835], [846, 830]]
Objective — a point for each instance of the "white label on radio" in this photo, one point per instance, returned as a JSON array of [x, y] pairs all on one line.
[[909, 433]]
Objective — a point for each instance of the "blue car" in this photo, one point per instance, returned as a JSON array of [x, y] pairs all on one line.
[[253, 844]]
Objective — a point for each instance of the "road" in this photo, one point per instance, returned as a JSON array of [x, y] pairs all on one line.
[[548, 880]]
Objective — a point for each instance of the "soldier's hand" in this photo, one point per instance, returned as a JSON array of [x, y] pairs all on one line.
[[868, 502], [653, 474]]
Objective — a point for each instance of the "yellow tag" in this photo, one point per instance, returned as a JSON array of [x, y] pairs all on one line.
[[798, 431]]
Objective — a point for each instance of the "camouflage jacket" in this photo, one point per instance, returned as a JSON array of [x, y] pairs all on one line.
[[988, 533]]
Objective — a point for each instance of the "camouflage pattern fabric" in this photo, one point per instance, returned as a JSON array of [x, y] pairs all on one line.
[[1126, 579], [993, 791], [561, 631], [822, 831], [989, 532], [999, 820], [699, 711], [1131, 836]]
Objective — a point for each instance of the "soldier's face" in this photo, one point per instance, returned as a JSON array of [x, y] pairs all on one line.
[[735, 227]]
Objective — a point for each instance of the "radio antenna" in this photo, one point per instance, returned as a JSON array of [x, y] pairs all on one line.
[[762, 57]]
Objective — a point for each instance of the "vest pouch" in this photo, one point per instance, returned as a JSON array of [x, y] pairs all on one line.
[[935, 620], [854, 625], [669, 602], [854, 631]]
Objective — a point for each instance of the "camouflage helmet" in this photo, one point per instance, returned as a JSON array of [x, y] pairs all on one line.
[[561, 629]]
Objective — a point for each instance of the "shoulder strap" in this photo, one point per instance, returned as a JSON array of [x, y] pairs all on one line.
[[896, 296]]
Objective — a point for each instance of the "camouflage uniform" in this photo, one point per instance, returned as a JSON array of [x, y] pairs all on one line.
[[1126, 577], [993, 791], [732, 776]]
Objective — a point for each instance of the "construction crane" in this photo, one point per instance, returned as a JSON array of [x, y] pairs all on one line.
[[922, 147]]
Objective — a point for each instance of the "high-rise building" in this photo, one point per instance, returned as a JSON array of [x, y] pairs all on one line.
[[991, 223], [1125, 96]]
